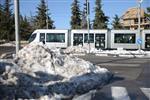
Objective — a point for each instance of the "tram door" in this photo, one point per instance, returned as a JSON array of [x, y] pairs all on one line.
[[100, 41], [147, 41]]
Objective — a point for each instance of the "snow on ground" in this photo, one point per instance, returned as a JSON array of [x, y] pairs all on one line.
[[40, 73], [8, 44], [13, 43], [80, 50]]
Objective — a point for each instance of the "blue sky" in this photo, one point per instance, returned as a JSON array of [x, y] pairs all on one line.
[[61, 9]]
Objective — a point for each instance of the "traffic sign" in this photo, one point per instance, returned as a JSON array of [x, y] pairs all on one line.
[[139, 41]]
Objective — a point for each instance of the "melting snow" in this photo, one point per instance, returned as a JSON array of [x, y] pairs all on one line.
[[41, 73], [82, 50]]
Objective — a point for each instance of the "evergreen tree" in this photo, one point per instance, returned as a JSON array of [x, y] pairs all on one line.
[[25, 28], [1, 22], [76, 15], [148, 13], [41, 17], [7, 22], [100, 21], [84, 15], [116, 23]]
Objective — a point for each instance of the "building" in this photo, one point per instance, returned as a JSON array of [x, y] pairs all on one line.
[[129, 19]]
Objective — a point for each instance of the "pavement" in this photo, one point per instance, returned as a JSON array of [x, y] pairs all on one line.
[[130, 82]]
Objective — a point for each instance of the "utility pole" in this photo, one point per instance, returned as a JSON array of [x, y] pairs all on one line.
[[47, 16], [139, 23], [17, 26], [88, 22]]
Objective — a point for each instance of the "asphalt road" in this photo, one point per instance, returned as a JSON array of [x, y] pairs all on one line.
[[131, 79], [7, 49]]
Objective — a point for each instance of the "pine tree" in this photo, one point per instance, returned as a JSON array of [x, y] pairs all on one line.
[[84, 15], [100, 21], [148, 13], [41, 17], [76, 16], [1, 22], [116, 23], [7, 22], [25, 28]]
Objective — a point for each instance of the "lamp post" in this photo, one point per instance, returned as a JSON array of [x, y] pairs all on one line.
[[17, 26], [47, 16], [88, 24], [139, 23]]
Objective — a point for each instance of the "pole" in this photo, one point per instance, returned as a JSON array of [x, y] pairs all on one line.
[[88, 26], [17, 27], [47, 15], [139, 24]]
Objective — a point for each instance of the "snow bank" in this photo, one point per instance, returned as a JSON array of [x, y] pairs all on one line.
[[81, 49], [76, 49], [38, 72], [8, 44]]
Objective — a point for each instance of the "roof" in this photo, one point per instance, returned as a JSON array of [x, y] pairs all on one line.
[[132, 13]]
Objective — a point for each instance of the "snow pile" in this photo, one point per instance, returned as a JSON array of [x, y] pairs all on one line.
[[124, 53], [39, 73], [76, 49], [119, 51], [8, 44], [81, 49]]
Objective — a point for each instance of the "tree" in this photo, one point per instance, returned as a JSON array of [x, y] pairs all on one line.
[[76, 16], [100, 20], [84, 15], [116, 23], [1, 23], [25, 28], [148, 13], [7, 21], [42, 16]]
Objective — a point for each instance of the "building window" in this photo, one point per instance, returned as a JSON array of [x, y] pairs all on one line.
[[77, 39], [135, 21], [91, 38], [125, 38], [55, 37]]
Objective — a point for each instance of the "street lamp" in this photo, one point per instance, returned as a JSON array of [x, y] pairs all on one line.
[[139, 24], [88, 24], [47, 16], [17, 28]]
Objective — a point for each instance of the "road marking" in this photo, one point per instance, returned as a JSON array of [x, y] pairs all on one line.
[[146, 91], [119, 93], [112, 64]]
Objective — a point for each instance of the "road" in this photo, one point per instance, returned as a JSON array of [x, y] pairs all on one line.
[[7, 49], [131, 79]]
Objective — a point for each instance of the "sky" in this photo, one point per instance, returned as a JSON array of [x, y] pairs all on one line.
[[60, 10]]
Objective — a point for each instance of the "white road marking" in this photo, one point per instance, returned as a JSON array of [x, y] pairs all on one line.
[[119, 93], [146, 91], [113, 64]]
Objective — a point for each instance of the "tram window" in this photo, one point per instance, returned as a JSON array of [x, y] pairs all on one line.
[[124, 38], [78, 39], [42, 37], [91, 38], [33, 36], [55, 37]]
